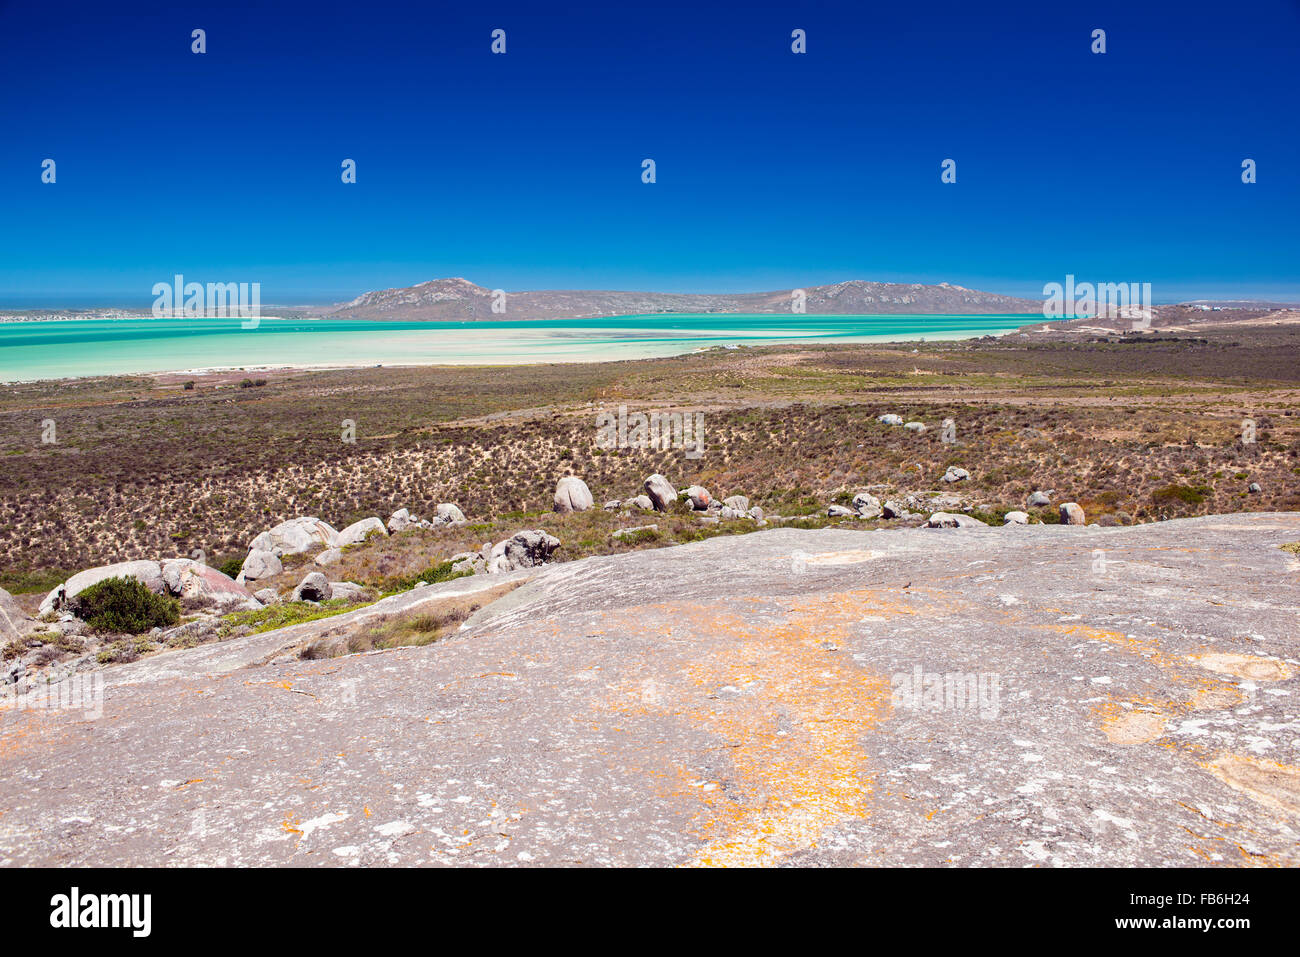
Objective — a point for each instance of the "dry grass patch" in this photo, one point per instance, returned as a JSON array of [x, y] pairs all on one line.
[[422, 626]]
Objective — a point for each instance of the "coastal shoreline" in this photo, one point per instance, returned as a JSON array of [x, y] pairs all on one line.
[[528, 354]]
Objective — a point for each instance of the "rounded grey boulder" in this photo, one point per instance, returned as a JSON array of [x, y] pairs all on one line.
[[952, 520], [448, 513], [315, 587], [358, 532], [258, 565], [522, 550], [1072, 514], [572, 495], [699, 497], [660, 491]]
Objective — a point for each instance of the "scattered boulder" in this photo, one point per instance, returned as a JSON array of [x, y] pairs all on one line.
[[889, 419], [1254, 488], [331, 556], [865, 500], [1015, 518], [1039, 500], [472, 562], [148, 573], [13, 621], [295, 536], [258, 565], [642, 502], [612, 506], [1072, 514], [522, 550], [699, 497], [448, 513], [892, 509], [315, 587], [955, 474], [738, 503], [756, 513], [840, 511], [267, 596], [358, 532], [400, 520], [349, 591], [195, 582], [661, 492], [625, 532], [917, 427], [951, 520], [572, 495]]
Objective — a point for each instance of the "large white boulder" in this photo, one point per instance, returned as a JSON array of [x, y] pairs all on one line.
[[295, 536], [449, 513], [572, 495], [195, 581], [953, 520], [314, 587], [522, 550], [661, 492], [358, 532], [14, 622], [699, 497], [258, 565]]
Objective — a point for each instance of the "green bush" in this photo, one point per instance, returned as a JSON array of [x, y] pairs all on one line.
[[230, 567], [1192, 495], [125, 606]]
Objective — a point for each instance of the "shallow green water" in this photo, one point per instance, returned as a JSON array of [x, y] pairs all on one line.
[[48, 350]]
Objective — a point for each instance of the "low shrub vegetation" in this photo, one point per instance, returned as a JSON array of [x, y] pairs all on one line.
[[125, 606]]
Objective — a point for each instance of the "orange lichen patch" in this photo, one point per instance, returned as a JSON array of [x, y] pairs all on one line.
[[1143, 647], [1268, 782], [792, 711], [288, 824], [1218, 698], [1252, 667], [30, 731], [1134, 727]]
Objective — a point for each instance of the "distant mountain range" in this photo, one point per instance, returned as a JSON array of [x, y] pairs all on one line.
[[461, 299]]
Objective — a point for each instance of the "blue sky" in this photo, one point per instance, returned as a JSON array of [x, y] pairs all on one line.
[[524, 170]]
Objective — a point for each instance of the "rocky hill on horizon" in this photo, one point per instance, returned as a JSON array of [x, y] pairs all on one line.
[[460, 299]]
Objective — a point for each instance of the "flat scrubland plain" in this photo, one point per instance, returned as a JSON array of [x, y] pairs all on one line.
[[145, 467]]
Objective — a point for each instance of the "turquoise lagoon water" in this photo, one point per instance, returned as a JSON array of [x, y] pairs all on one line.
[[62, 349]]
